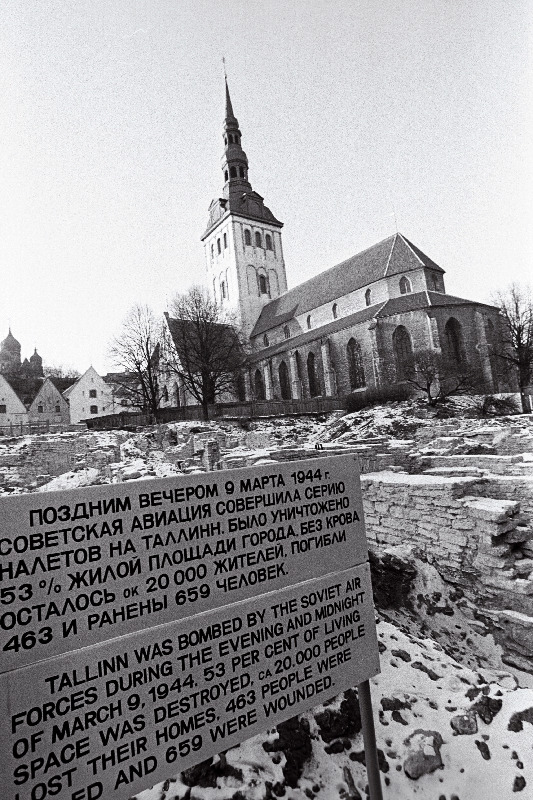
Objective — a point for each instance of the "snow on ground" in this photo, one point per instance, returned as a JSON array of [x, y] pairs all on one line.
[[446, 730], [443, 731]]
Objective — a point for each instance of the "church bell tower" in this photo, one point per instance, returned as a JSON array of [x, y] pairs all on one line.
[[243, 251]]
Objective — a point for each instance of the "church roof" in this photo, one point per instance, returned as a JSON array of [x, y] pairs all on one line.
[[392, 256], [10, 343], [358, 317], [425, 299]]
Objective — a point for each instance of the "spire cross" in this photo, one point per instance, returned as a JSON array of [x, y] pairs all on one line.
[[224, 67]]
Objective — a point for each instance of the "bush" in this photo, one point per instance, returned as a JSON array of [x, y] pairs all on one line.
[[375, 397], [496, 406]]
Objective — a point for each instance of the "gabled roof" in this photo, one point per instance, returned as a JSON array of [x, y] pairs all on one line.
[[425, 299], [5, 386], [220, 345], [392, 256], [46, 383], [26, 388], [358, 317]]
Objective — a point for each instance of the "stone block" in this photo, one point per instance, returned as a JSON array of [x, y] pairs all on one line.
[[490, 509]]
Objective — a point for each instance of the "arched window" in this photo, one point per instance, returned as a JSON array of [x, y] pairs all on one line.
[[212, 251], [284, 382], [435, 282], [311, 375], [176, 395], [268, 241], [258, 241], [259, 386], [240, 386], [309, 322], [265, 340], [225, 240], [233, 172], [223, 289], [230, 137], [403, 353], [219, 249], [334, 310], [356, 369], [454, 341], [263, 288], [368, 297], [405, 286], [247, 237], [241, 172], [165, 394], [286, 332]]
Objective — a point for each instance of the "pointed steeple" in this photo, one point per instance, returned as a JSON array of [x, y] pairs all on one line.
[[229, 107], [234, 160]]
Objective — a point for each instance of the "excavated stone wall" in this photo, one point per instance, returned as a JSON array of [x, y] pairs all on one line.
[[481, 544]]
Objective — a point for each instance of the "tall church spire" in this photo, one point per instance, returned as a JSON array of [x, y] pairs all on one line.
[[229, 107], [234, 160]]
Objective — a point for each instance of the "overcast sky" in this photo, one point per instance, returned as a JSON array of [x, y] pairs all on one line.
[[352, 111]]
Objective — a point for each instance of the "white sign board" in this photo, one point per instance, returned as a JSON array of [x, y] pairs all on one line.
[[85, 566], [112, 719]]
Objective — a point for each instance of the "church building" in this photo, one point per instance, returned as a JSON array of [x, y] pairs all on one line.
[[352, 327]]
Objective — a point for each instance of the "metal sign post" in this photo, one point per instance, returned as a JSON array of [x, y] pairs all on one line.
[[369, 740]]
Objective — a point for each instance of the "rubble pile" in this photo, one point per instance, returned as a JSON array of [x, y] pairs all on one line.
[[448, 502]]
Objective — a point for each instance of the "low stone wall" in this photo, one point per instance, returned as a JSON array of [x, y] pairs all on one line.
[[481, 544], [472, 540]]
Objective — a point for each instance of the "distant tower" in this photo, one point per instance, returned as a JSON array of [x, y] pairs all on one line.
[[36, 364], [10, 355], [243, 251]]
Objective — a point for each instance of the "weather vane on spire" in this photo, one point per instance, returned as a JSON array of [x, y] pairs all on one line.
[[224, 67]]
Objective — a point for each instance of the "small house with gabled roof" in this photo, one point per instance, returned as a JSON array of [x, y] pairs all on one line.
[[12, 409], [90, 396], [49, 405]]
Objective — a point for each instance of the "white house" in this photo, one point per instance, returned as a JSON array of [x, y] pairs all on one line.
[[12, 409], [89, 397]]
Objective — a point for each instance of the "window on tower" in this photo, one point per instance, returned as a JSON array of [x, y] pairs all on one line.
[[225, 240], [368, 297], [334, 310], [405, 286], [247, 237], [258, 241], [226, 176], [287, 332], [230, 137], [268, 241], [212, 251], [233, 172], [241, 172], [223, 290], [263, 289], [309, 322], [265, 340], [219, 248]]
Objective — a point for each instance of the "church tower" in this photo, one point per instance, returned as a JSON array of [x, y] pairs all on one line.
[[243, 252]]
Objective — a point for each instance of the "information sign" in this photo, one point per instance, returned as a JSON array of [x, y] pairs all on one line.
[[85, 566], [111, 719]]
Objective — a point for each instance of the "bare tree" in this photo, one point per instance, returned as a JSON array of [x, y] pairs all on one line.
[[136, 350], [440, 377], [60, 371], [516, 351], [204, 347]]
